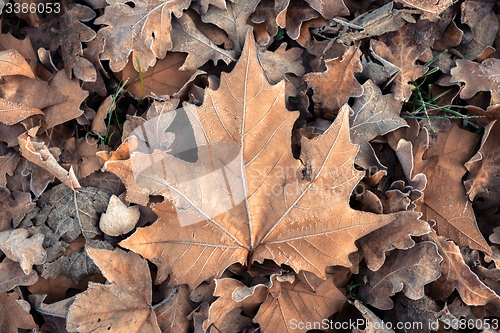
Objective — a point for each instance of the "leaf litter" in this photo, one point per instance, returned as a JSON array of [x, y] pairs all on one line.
[[242, 166]]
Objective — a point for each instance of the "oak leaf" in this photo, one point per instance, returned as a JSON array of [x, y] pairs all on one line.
[[123, 305], [8, 164], [163, 79], [445, 200], [276, 64], [13, 207], [143, 30], [70, 37], [400, 49], [68, 109], [395, 235], [406, 271], [232, 20], [337, 84], [373, 114], [13, 316], [174, 309], [18, 247], [483, 166], [434, 8], [35, 93], [39, 154], [296, 300], [187, 38], [329, 8], [478, 77], [227, 210], [12, 275], [456, 274]]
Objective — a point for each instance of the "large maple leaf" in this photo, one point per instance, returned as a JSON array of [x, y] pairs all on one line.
[[258, 203]]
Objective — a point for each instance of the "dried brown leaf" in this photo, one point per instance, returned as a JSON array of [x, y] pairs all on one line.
[[70, 108], [11, 113], [246, 125], [163, 79], [445, 200], [337, 84], [400, 49], [13, 207], [373, 114], [12, 275], [12, 315], [144, 31], [276, 64], [187, 38], [18, 247], [457, 275], [35, 93], [395, 235], [232, 20], [39, 154], [329, 8], [8, 164], [484, 167], [433, 7], [12, 63], [70, 37], [174, 309], [291, 303], [123, 305], [406, 271], [478, 77]]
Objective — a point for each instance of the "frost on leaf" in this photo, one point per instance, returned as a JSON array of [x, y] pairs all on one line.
[[123, 305], [143, 30], [246, 198], [478, 77], [18, 247]]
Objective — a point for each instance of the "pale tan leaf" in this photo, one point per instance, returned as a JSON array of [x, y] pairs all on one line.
[[283, 214], [40, 155], [329, 8], [12, 315], [118, 219], [123, 305], [12, 63], [11, 112], [144, 31], [276, 64], [18, 247]]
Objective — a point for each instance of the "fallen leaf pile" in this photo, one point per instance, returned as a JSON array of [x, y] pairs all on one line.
[[244, 166]]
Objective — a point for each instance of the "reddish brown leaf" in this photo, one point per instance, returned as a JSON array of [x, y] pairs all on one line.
[[445, 200], [70, 108], [401, 49], [333, 87]]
